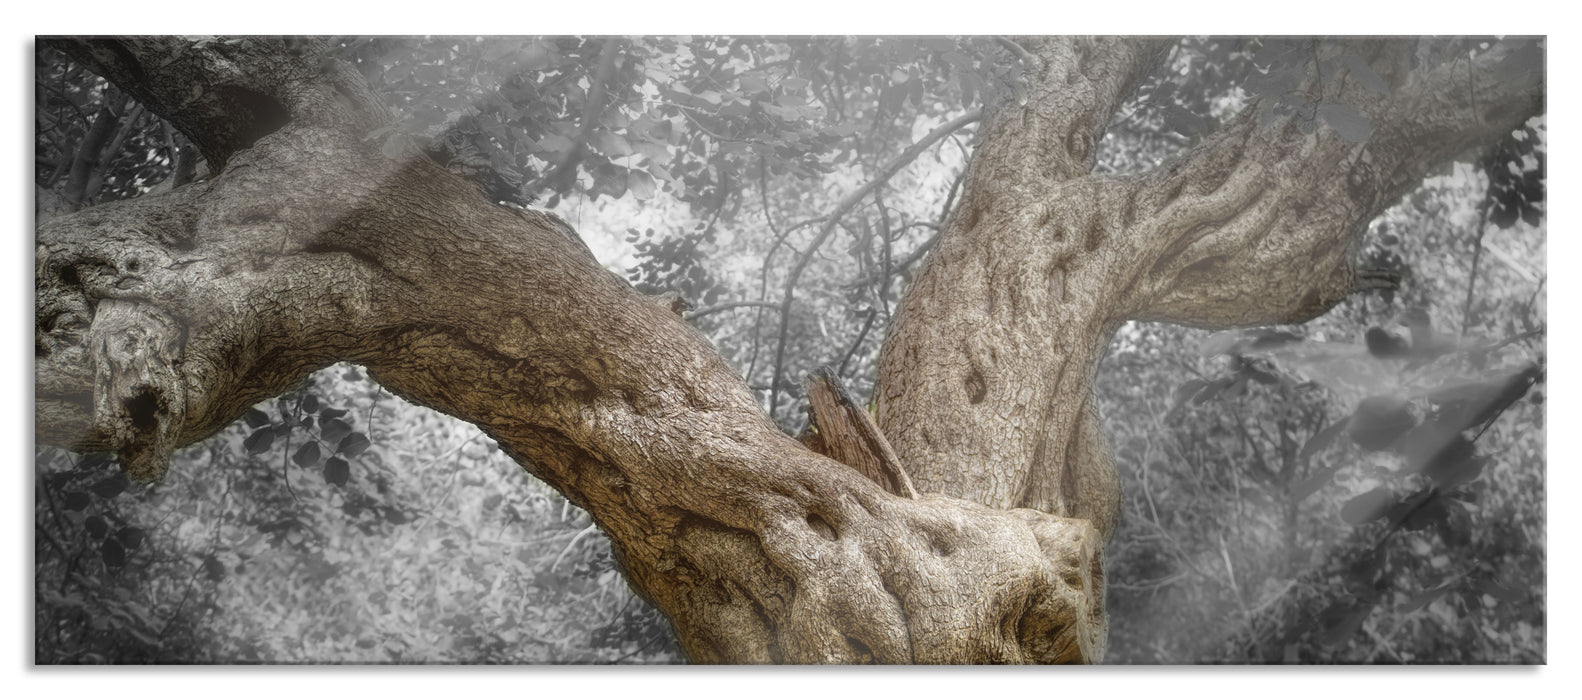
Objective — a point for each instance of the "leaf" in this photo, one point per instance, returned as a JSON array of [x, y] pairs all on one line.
[[1320, 440], [111, 487], [354, 444], [307, 455], [1368, 507], [213, 568], [612, 145], [97, 527], [310, 403], [76, 500], [1350, 124], [1342, 621], [260, 441], [331, 413], [112, 553], [1309, 486], [640, 184], [554, 144], [333, 431], [1275, 82], [1183, 121], [1425, 515], [657, 153], [1527, 59], [255, 418], [1442, 453], [608, 179], [1502, 593], [1385, 345], [1423, 599], [337, 471], [1267, 339], [1183, 393], [130, 537], [1379, 421], [1364, 74], [1280, 51], [753, 84]]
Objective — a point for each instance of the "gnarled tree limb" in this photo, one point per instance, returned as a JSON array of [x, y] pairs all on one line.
[[161, 319]]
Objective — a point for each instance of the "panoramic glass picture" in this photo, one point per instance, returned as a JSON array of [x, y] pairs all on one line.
[[795, 350]]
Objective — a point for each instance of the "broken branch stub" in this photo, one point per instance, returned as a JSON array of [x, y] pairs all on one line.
[[847, 434]]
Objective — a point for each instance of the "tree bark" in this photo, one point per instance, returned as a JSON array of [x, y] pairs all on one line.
[[161, 319], [985, 380]]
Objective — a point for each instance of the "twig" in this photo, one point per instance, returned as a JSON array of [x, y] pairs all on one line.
[[1230, 571], [285, 468], [107, 158], [841, 209], [573, 543], [726, 306], [884, 237], [89, 154], [1148, 585], [911, 259], [1383, 644], [450, 486], [861, 335], [1477, 256], [1021, 52]]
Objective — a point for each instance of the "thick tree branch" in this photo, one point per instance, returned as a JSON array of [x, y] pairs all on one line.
[[1209, 229], [225, 94], [1076, 86], [89, 153], [984, 381], [162, 318], [991, 360]]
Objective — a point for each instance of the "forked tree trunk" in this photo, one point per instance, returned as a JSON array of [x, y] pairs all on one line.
[[161, 319]]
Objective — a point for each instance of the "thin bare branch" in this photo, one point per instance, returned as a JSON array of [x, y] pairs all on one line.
[[841, 208], [726, 306]]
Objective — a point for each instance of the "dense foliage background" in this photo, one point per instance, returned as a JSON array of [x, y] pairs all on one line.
[[1279, 503]]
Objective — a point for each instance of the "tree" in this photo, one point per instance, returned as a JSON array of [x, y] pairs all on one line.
[[965, 524]]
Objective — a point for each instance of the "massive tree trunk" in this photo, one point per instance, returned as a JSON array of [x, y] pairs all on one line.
[[161, 319]]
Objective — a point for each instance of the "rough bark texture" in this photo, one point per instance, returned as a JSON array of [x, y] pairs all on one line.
[[161, 319], [985, 381]]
